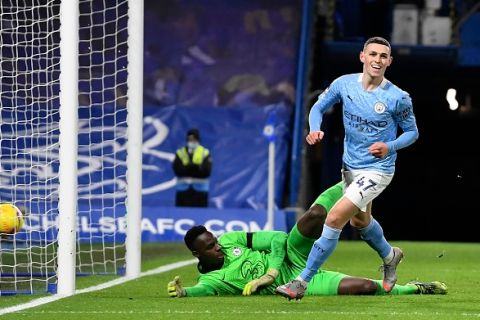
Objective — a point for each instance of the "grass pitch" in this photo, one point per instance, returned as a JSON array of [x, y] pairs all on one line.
[[456, 264]]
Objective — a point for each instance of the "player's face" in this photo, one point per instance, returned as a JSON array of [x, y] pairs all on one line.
[[376, 58], [208, 249]]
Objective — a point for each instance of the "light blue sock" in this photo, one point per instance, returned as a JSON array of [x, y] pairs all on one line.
[[373, 235], [321, 250]]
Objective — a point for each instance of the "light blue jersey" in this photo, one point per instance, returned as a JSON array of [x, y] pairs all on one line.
[[368, 117]]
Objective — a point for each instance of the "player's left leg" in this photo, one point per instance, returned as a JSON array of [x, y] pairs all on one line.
[[363, 188], [372, 233]]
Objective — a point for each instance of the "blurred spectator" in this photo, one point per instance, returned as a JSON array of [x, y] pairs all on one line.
[[221, 54], [192, 166]]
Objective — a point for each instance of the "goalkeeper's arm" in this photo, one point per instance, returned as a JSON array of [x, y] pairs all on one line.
[[265, 280], [274, 242], [175, 290]]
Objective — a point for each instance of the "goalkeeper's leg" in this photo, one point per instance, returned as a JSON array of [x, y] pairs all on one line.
[[362, 286], [414, 287], [310, 224]]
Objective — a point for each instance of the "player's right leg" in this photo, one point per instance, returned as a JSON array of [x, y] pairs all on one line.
[[322, 248], [303, 235]]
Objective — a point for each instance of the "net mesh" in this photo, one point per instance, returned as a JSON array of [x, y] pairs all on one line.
[[29, 74], [102, 136], [29, 159]]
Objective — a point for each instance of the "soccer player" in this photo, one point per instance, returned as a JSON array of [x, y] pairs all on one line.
[[247, 263], [373, 108]]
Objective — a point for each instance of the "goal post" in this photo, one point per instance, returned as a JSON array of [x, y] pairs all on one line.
[[68, 147], [135, 137]]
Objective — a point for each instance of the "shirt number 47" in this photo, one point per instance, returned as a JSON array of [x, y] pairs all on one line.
[[365, 185]]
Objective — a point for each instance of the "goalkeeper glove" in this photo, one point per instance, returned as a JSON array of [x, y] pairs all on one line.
[[175, 289], [265, 280]]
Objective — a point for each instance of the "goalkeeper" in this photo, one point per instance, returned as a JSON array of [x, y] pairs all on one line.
[[248, 263]]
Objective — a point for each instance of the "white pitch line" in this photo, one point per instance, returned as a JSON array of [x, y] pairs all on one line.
[[251, 312], [44, 300]]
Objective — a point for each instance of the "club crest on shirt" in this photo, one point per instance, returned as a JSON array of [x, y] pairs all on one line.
[[379, 107], [236, 251]]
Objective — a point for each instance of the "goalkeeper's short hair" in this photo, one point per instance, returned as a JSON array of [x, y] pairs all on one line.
[[192, 234]]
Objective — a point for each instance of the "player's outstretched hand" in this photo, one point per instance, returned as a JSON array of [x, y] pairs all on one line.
[[175, 289], [378, 149], [314, 137], [265, 280]]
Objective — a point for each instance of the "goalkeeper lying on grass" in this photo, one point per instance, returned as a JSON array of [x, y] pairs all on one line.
[[247, 263]]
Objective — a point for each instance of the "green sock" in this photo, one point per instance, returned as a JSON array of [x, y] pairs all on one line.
[[397, 289], [330, 196]]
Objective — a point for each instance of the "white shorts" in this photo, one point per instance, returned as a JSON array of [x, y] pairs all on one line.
[[361, 187]]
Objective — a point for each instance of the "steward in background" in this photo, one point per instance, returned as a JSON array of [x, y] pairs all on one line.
[[192, 166]]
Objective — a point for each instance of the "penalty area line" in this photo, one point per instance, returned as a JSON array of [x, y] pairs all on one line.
[[56, 297]]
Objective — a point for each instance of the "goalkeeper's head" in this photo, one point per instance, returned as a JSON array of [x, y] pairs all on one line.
[[204, 245]]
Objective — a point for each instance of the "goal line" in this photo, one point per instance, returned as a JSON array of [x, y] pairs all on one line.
[[105, 285]]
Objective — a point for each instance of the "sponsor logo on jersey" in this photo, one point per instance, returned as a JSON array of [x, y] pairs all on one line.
[[236, 252], [362, 124], [252, 270], [379, 107]]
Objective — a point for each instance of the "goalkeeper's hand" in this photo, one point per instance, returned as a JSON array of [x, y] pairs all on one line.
[[175, 289], [265, 280]]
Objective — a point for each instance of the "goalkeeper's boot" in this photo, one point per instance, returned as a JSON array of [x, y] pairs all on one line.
[[390, 270], [292, 290], [435, 287]]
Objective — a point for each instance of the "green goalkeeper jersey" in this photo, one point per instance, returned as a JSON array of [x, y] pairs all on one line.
[[247, 256]]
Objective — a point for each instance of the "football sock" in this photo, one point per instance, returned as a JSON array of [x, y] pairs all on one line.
[[321, 250], [373, 235], [397, 289]]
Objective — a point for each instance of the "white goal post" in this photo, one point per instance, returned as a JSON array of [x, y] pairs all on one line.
[[69, 77], [71, 140]]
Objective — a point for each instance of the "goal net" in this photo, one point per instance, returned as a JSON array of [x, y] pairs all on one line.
[[29, 136], [29, 71], [102, 136]]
